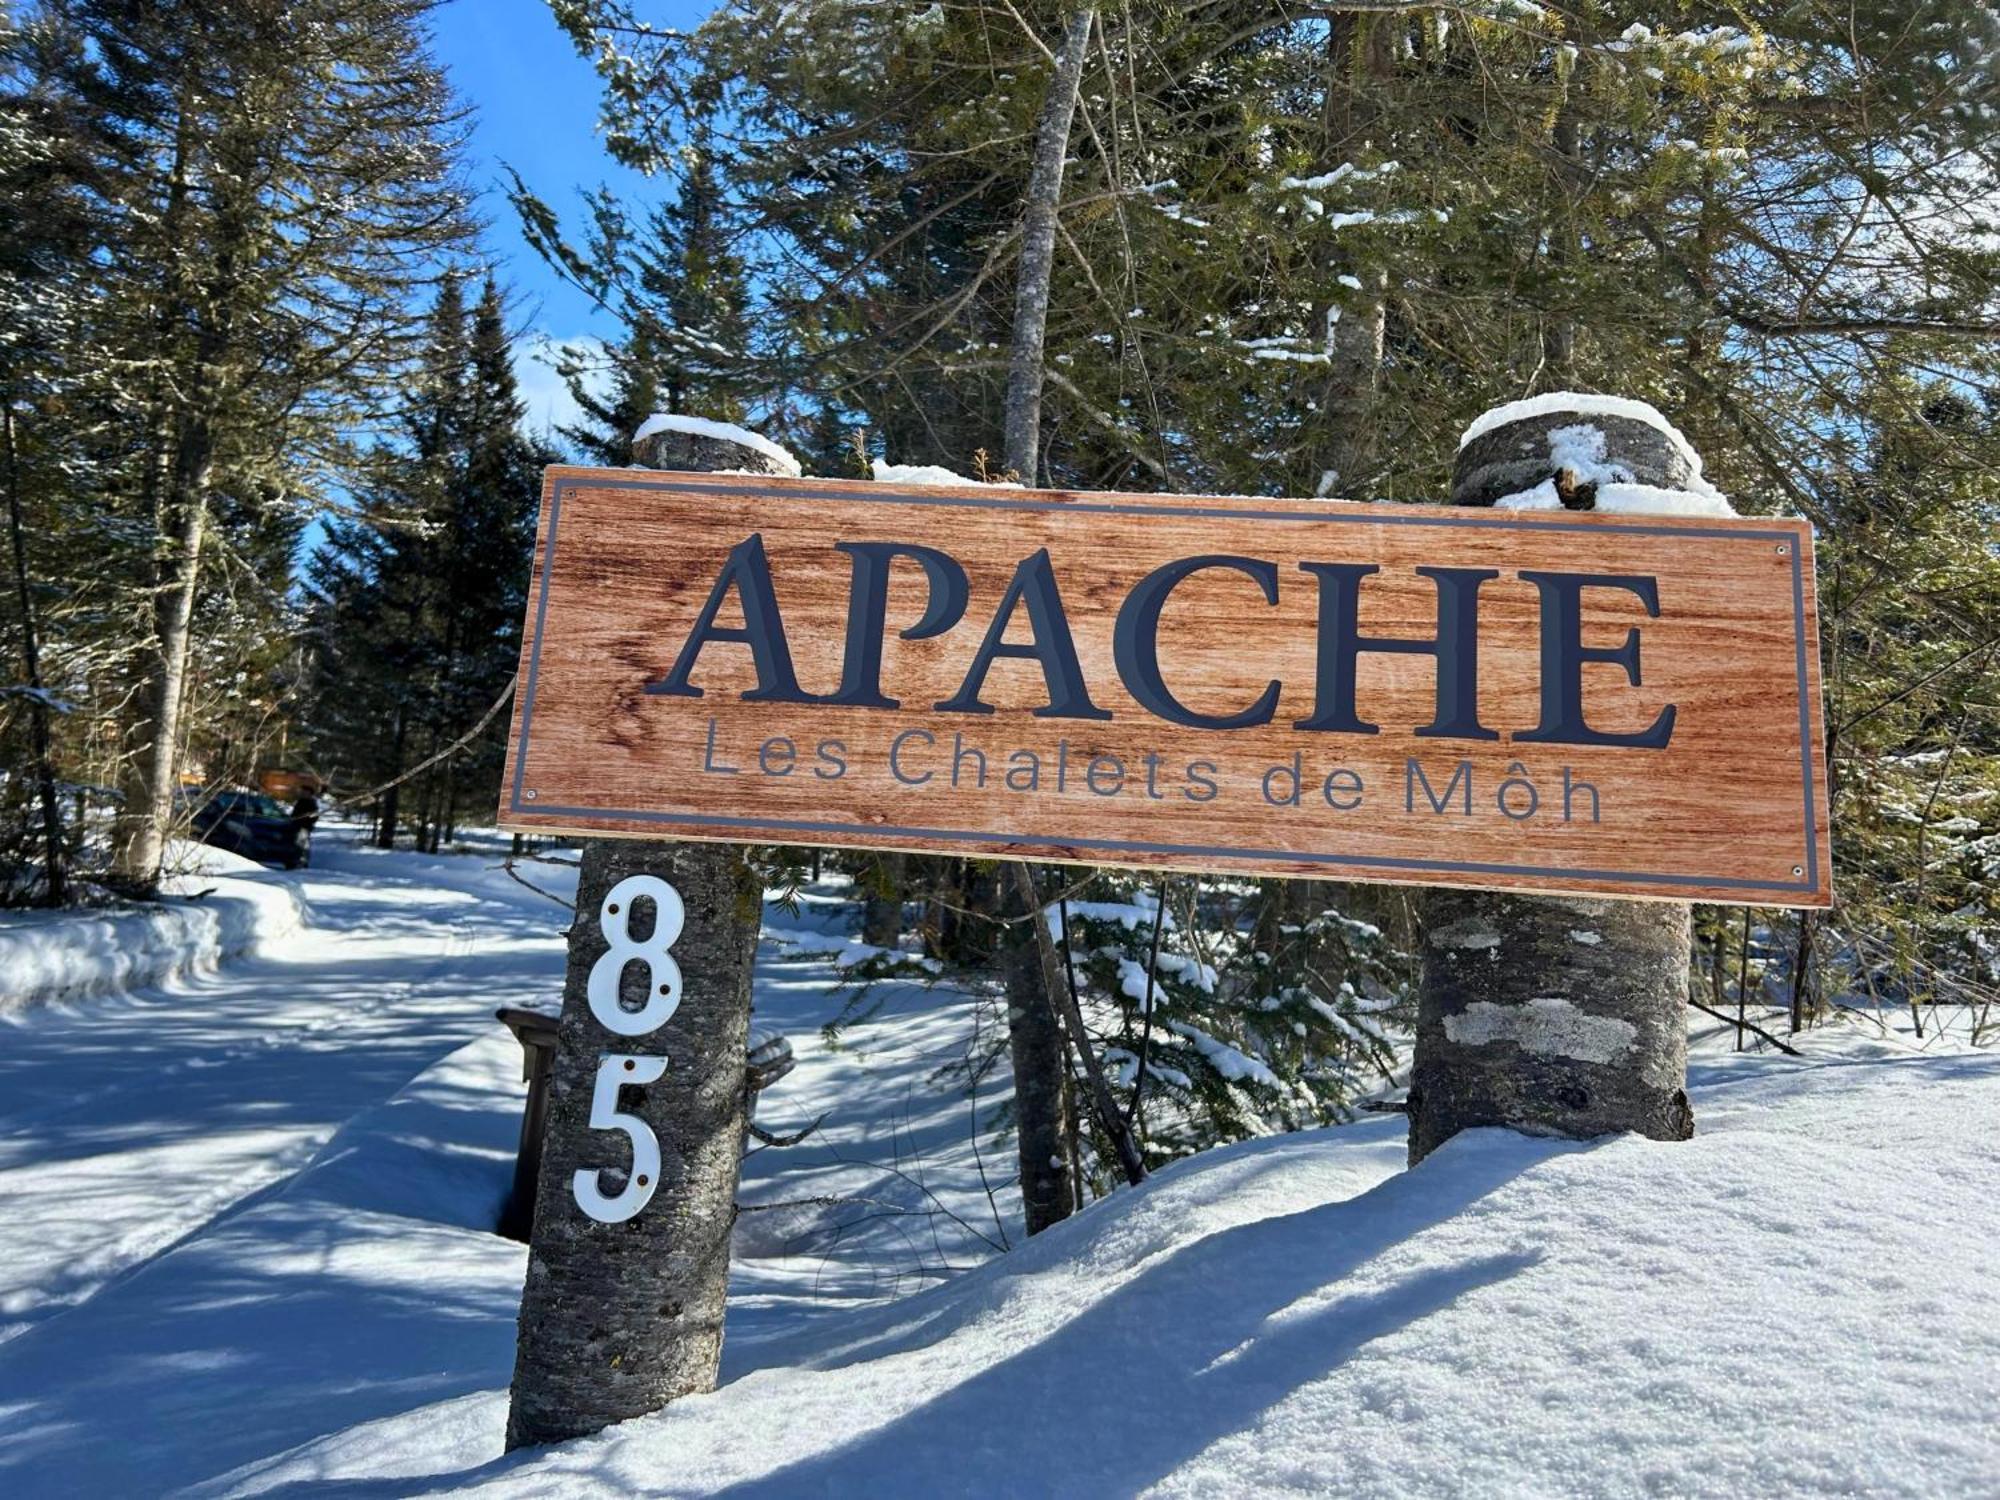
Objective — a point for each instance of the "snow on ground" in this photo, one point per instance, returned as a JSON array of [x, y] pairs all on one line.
[[217, 906], [252, 1209], [130, 1122], [1797, 1301]]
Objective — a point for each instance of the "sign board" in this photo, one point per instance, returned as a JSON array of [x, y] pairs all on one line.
[[1539, 701]]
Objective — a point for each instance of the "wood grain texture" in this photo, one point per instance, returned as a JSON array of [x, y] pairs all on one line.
[[1732, 809]]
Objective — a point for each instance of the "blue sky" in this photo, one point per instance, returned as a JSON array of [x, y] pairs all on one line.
[[536, 104]]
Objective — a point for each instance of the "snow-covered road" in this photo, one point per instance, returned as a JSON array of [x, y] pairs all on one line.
[[128, 1124]]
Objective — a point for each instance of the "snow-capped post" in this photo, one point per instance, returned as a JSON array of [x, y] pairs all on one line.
[[621, 1315], [1558, 1015]]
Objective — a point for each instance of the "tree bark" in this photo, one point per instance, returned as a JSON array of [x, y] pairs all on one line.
[[1552, 1015], [1564, 251], [1035, 1046], [392, 800], [1359, 60], [1520, 1023], [211, 302], [144, 844], [1055, 982], [618, 1319], [1023, 416], [1354, 385], [55, 886], [882, 910]]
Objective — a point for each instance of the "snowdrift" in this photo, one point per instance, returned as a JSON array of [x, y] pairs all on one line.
[[216, 906], [1798, 1301]]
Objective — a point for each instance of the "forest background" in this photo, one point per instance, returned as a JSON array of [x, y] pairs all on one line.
[[270, 476]]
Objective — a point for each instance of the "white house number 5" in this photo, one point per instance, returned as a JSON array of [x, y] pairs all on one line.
[[617, 1069]]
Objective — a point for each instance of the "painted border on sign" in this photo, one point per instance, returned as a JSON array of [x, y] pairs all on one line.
[[874, 833]]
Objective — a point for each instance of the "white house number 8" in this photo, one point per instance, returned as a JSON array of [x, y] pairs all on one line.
[[616, 1069]]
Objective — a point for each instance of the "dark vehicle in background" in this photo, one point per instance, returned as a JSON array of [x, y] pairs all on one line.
[[255, 826]]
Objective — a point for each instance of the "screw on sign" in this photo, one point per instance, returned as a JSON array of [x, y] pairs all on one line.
[[618, 1070]]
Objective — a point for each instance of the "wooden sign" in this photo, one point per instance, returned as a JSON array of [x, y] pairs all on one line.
[[1541, 701]]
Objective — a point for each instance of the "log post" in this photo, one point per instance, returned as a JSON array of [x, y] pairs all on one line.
[[619, 1318], [1560, 1016]]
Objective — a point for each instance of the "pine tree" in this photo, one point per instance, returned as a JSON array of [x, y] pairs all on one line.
[[680, 291], [1298, 254], [44, 255], [417, 601], [274, 182]]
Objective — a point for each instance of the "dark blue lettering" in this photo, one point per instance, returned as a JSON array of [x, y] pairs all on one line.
[[747, 571], [868, 613], [1456, 648], [1033, 584], [1136, 647], [896, 751], [1564, 656]]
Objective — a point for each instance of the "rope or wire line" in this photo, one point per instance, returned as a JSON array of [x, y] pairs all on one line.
[[506, 695]]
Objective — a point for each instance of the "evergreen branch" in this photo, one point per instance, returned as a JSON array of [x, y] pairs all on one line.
[[1860, 326]]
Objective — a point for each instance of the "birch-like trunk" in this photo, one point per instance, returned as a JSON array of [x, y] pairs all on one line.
[[176, 486], [1025, 370], [1358, 59], [151, 797], [1354, 386]]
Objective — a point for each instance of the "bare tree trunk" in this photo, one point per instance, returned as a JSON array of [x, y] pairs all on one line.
[[1521, 1024], [1054, 980], [1564, 250], [56, 886], [1354, 385], [1743, 980], [392, 800], [1042, 1123], [882, 910], [1358, 56], [1552, 1015], [1802, 973], [617, 1319], [152, 798], [1023, 417], [188, 465]]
